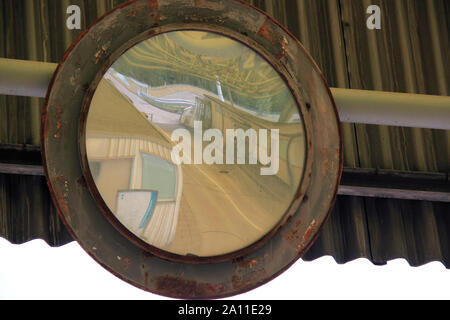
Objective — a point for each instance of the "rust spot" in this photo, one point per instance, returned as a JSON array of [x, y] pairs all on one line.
[[58, 124], [178, 287], [153, 4], [326, 161], [307, 236], [325, 165], [214, 5], [295, 233], [46, 131], [59, 111], [210, 287], [248, 272], [82, 182], [266, 32], [281, 55], [252, 263], [127, 260], [236, 282], [292, 235], [155, 16], [247, 279], [283, 52], [61, 200], [100, 53]]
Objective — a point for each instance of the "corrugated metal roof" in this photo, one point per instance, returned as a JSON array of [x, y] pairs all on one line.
[[409, 54]]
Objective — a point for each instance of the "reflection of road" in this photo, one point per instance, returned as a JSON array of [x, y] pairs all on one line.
[[222, 210], [157, 115]]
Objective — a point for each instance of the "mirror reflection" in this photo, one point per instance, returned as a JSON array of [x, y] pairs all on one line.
[[195, 143]]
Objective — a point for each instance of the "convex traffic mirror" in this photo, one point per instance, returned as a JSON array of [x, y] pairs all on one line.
[[192, 149], [195, 143]]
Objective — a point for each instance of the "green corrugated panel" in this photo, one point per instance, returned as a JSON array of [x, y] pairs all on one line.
[[409, 54], [33, 30]]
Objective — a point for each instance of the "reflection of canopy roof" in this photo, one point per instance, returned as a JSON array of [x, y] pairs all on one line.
[[208, 56], [208, 44], [112, 113]]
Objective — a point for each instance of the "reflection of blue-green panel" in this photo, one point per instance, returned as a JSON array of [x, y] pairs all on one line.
[[158, 174], [149, 211]]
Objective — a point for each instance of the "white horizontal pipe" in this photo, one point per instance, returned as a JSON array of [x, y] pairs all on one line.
[[31, 79], [25, 78], [393, 109]]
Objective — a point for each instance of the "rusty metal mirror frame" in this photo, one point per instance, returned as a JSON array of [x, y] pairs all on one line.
[[115, 55], [75, 194]]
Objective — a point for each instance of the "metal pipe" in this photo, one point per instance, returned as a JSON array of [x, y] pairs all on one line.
[[393, 192], [25, 78], [395, 184], [21, 169], [393, 109], [390, 193], [30, 78]]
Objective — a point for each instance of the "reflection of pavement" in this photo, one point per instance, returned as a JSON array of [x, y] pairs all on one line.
[[223, 210], [174, 90], [157, 115], [189, 96]]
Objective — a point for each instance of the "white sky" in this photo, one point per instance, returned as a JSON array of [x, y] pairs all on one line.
[[36, 271]]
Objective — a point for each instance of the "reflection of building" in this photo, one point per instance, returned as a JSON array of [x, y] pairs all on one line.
[[222, 115], [141, 88], [131, 165], [120, 166], [158, 109]]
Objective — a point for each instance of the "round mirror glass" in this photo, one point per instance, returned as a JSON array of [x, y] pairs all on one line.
[[195, 143]]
